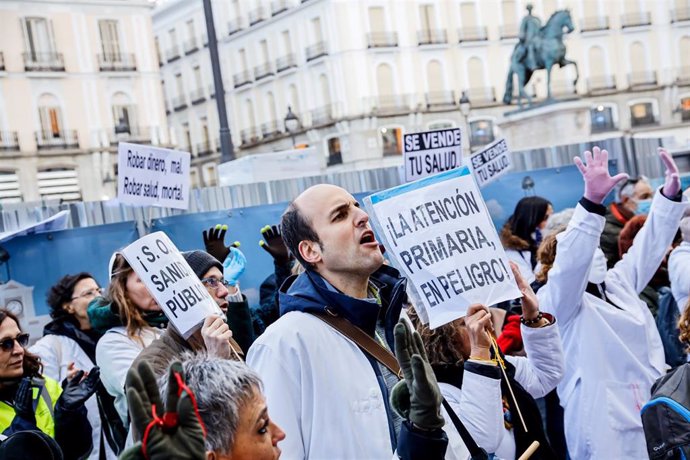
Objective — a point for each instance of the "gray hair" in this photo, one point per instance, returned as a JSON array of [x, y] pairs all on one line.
[[558, 221], [628, 187], [222, 388]]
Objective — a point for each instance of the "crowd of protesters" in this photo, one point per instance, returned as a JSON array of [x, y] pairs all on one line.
[[336, 363]]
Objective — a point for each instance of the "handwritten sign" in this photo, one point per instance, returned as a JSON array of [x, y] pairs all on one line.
[[153, 176], [171, 281], [492, 162], [438, 232], [431, 152]]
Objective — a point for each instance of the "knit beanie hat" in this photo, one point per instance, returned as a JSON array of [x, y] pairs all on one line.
[[201, 262]]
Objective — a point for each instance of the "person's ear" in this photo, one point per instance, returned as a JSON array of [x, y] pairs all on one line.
[[310, 251], [210, 455], [67, 306]]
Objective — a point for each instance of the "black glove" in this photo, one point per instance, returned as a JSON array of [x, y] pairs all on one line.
[[214, 242], [24, 401], [274, 244], [77, 390]]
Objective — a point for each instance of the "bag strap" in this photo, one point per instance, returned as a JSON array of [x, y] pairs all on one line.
[[374, 349]]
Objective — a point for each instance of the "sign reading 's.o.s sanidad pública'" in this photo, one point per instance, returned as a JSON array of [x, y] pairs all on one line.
[[153, 176]]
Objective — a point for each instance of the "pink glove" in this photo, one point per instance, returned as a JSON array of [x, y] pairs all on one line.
[[598, 181], [672, 184]]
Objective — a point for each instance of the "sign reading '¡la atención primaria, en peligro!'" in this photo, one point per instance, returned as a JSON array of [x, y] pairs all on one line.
[[153, 176]]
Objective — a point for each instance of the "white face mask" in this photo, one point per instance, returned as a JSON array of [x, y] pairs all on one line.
[[597, 271]]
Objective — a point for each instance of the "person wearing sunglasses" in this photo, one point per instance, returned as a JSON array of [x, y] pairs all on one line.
[[216, 336], [69, 344], [32, 401]]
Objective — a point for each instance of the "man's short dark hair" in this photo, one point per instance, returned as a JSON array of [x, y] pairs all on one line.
[[62, 292], [296, 228]]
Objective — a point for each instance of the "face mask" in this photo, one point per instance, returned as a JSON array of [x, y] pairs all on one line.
[[597, 271], [537, 236], [643, 206]]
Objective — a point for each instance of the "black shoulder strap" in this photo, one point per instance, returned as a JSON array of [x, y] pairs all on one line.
[[370, 346]]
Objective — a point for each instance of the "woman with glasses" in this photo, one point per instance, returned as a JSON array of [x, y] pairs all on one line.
[[69, 344], [129, 319], [31, 401]]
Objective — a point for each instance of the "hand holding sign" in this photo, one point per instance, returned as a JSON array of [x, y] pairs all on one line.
[[480, 328]]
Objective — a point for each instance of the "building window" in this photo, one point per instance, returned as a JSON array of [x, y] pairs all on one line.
[[39, 37], [602, 119], [443, 124], [10, 191], [392, 141], [110, 40], [685, 108], [335, 156], [642, 113], [481, 133], [59, 184]]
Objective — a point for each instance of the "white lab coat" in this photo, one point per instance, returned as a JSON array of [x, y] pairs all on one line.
[[115, 353], [479, 405], [613, 353], [321, 390], [523, 261], [679, 274], [56, 352]]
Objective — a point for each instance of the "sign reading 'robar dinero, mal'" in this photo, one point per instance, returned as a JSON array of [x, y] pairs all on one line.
[[153, 176]]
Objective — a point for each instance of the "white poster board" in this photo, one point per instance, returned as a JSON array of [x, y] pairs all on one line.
[[438, 232], [431, 152], [171, 281], [491, 162], [55, 222], [152, 176]]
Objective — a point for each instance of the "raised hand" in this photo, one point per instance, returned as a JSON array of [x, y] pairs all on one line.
[[78, 389], [233, 266], [216, 334], [214, 242], [417, 397], [595, 171], [672, 183], [274, 245], [23, 401]]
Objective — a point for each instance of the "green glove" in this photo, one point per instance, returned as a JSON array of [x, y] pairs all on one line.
[[417, 398], [174, 431]]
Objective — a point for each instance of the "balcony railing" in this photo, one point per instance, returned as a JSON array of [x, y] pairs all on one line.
[[191, 45], [439, 99], [179, 103], [323, 116], [172, 54], [242, 78], [680, 15], [257, 15], [683, 76], [234, 26], [278, 6], [472, 34], [262, 71], [317, 50], [382, 39], [2, 62], [197, 96], [117, 62], [432, 37], [204, 149], [641, 18], [637, 79], [563, 88], [9, 140], [138, 134], [286, 62], [65, 139], [43, 62], [593, 23], [249, 136], [600, 83], [270, 129], [509, 31], [393, 104], [481, 95]]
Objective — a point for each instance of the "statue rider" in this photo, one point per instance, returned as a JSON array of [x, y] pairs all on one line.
[[529, 37]]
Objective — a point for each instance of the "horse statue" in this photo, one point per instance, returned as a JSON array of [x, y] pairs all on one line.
[[542, 51]]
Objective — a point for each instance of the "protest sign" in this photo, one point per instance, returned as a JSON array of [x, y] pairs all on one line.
[[492, 162], [431, 152], [171, 281], [438, 232], [152, 176]]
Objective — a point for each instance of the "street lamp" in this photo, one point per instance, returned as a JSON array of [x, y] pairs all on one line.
[[292, 124], [465, 107]]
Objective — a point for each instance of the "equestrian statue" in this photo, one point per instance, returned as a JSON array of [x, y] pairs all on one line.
[[539, 48]]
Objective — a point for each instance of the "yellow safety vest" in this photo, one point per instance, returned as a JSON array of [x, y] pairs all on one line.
[[45, 395]]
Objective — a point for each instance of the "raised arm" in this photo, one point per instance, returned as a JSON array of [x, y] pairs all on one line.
[[567, 279]]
